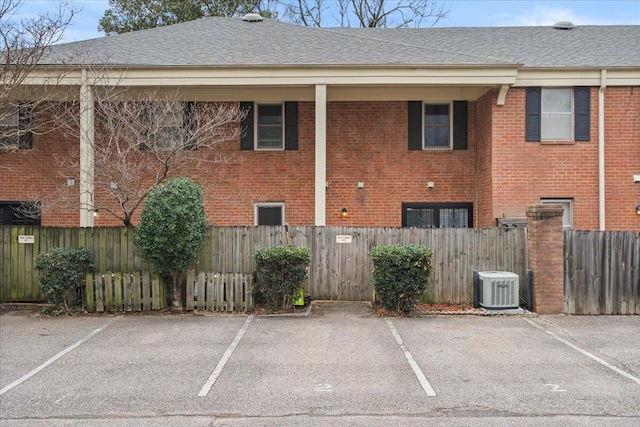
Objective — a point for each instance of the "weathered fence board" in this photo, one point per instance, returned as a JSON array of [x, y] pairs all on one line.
[[219, 291], [602, 272], [113, 292]]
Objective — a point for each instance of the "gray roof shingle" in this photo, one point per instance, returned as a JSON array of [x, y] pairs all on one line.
[[234, 42]]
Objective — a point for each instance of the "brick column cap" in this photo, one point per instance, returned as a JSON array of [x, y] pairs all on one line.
[[545, 211]]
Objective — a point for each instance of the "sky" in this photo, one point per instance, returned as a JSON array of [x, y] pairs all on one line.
[[462, 13]]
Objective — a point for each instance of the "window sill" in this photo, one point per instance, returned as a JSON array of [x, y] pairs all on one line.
[[560, 142]]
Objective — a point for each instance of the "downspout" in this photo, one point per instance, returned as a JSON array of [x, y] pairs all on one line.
[[601, 165]]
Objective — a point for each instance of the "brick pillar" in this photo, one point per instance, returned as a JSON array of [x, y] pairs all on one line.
[[546, 257]]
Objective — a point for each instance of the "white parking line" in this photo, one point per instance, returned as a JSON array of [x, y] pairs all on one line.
[[416, 369], [586, 353], [53, 359], [225, 357]]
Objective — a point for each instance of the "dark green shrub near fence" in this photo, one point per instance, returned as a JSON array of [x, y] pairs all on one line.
[[400, 274], [280, 271], [62, 270]]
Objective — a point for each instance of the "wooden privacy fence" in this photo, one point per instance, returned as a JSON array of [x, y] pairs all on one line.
[[219, 291], [340, 266], [123, 292], [602, 272]]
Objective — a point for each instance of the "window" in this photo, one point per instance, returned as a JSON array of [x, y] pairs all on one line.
[[270, 124], [437, 125], [437, 215], [20, 213], [558, 114], [269, 213], [567, 215], [14, 126], [168, 126]]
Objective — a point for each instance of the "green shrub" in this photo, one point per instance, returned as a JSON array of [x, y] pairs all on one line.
[[61, 271], [173, 225], [281, 270], [400, 275]]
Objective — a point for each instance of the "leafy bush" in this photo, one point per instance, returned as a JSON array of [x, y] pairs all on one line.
[[62, 270], [400, 274], [173, 225], [281, 270]]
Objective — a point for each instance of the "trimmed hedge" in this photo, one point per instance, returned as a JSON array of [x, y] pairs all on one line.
[[61, 272], [400, 275], [281, 271]]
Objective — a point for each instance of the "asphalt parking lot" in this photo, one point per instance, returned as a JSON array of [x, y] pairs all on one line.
[[340, 366]]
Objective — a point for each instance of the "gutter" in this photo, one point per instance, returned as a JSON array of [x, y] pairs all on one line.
[[601, 165]]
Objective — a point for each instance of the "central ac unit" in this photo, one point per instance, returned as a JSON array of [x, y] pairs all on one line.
[[498, 289]]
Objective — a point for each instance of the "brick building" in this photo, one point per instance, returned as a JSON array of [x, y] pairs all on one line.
[[430, 127]]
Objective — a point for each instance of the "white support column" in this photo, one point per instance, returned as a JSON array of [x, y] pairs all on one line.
[[321, 156], [86, 153]]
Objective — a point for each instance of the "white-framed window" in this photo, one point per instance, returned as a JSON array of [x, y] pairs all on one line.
[[269, 213], [269, 126], [168, 125], [556, 114], [438, 126], [567, 215]]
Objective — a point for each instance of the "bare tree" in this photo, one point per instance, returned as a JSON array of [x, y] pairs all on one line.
[[24, 43], [363, 13], [140, 140]]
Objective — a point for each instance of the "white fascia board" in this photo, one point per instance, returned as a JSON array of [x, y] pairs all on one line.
[[576, 77], [278, 76]]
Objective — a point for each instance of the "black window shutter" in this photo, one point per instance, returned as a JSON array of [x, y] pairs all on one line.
[[583, 114], [291, 125], [459, 125], [246, 127], [534, 114], [415, 125], [190, 125], [145, 117], [25, 141]]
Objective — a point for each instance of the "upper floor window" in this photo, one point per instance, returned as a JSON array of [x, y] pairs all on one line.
[[558, 114], [168, 125], [15, 129], [437, 125], [270, 124]]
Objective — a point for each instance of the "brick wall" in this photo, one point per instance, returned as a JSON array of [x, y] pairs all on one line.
[[367, 141], [524, 172], [622, 157]]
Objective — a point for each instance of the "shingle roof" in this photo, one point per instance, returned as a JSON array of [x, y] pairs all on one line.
[[234, 42]]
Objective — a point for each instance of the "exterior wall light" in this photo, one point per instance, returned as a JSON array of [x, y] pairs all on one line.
[[638, 209], [343, 213], [95, 212]]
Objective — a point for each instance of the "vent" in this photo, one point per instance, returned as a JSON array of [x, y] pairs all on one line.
[[564, 25], [252, 17], [498, 289]]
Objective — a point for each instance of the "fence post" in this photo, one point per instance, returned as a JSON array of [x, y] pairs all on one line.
[[545, 244]]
